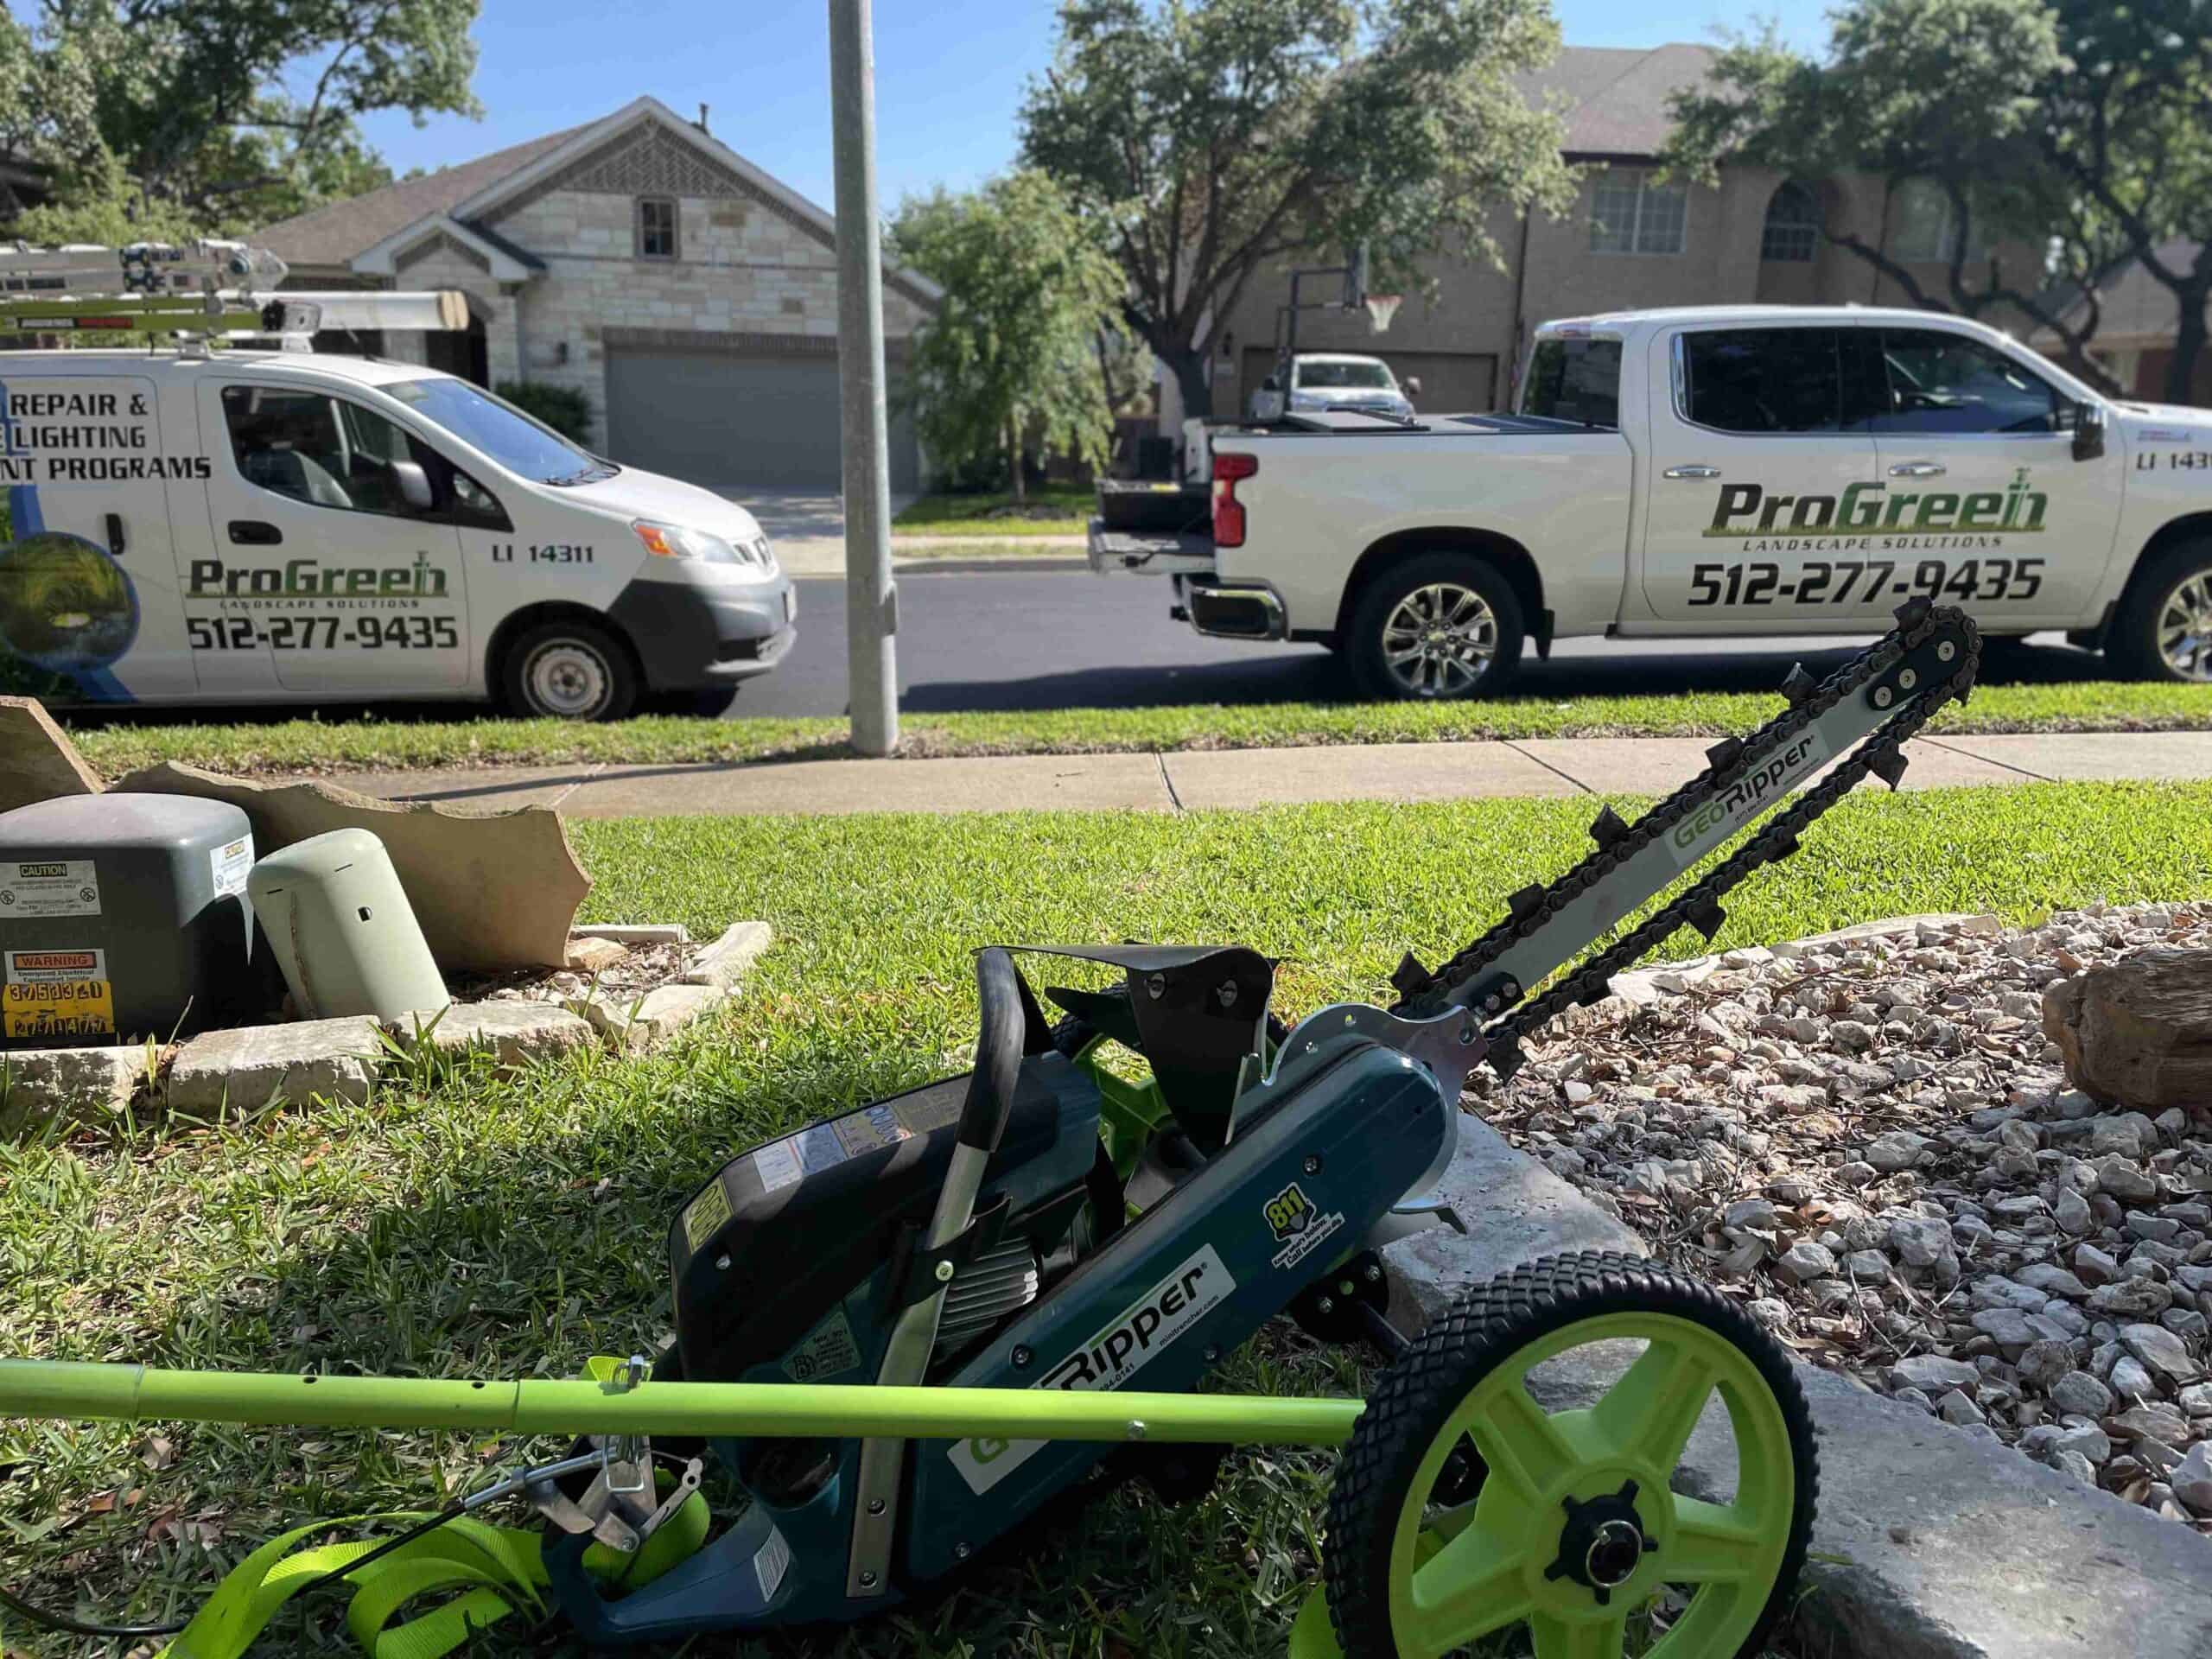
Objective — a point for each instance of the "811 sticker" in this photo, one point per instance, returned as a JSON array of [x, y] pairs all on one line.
[[1299, 1227], [53, 994]]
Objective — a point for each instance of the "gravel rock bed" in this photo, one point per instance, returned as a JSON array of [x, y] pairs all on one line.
[[1870, 1142]]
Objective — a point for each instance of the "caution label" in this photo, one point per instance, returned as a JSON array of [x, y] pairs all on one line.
[[52, 995], [706, 1215], [231, 864], [48, 886], [829, 1350]]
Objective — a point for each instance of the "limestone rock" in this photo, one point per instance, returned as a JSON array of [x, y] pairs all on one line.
[[2160, 1352], [594, 956], [2137, 1031], [651, 1020], [516, 1032], [493, 891], [725, 962], [334, 1059], [2191, 1478], [37, 760], [74, 1085]]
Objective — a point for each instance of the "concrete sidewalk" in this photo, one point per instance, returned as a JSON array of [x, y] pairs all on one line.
[[1195, 780]]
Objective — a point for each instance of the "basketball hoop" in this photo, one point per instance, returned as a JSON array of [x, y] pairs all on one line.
[[1381, 307]]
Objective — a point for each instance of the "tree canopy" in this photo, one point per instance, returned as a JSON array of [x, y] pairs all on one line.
[[2077, 122], [1020, 351], [1207, 138], [163, 117]]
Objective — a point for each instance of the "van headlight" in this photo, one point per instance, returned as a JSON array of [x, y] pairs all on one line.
[[680, 542]]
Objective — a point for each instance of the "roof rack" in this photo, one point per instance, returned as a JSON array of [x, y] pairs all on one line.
[[194, 293]]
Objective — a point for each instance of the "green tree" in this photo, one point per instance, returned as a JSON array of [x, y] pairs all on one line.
[[2078, 121], [218, 114], [1018, 352], [1207, 138]]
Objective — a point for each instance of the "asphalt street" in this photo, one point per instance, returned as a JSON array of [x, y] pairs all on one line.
[[1029, 640]]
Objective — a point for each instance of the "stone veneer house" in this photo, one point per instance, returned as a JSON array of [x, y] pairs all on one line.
[[689, 296], [1633, 241]]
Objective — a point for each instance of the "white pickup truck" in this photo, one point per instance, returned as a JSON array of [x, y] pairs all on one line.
[[1712, 471]]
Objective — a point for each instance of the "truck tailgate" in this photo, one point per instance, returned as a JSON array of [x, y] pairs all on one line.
[[1150, 552]]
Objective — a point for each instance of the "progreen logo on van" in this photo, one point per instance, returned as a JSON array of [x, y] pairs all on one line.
[[312, 579]]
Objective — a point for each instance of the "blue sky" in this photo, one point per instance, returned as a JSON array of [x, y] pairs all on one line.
[[950, 75]]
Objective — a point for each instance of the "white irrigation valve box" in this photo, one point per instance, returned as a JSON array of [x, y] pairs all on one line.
[[122, 917], [342, 930]]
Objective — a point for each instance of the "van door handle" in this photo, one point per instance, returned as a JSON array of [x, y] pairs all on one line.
[[115, 541], [1918, 469], [1692, 472], [252, 532]]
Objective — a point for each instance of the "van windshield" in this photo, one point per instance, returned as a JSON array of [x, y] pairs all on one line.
[[502, 431]]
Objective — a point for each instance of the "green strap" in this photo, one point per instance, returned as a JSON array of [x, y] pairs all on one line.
[[500, 1569]]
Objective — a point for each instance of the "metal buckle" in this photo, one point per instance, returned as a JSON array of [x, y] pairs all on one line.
[[629, 1451]]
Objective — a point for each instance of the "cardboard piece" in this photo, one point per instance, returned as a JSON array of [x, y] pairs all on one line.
[[493, 890], [37, 760]]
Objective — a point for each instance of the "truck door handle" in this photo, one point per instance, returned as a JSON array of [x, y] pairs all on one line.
[[1694, 472], [252, 532], [1917, 469], [115, 541]]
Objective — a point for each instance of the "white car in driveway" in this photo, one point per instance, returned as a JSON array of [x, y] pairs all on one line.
[[1322, 380], [1738, 471]]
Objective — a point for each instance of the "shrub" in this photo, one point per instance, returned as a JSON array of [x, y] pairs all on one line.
[[564, 409]]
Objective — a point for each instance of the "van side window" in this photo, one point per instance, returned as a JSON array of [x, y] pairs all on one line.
[[1764, 380], [329, 451], [1939, 382]]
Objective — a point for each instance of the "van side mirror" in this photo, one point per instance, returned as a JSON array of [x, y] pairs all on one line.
[[2088, 430], [414, 485]]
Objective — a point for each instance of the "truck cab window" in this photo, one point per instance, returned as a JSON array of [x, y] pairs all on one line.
[[1764, 380], [1578, 381], [1944, 383]]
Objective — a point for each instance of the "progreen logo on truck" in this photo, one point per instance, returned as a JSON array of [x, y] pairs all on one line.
[[312, 579], [1748, 509]]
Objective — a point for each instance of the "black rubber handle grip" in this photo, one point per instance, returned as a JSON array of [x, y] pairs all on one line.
[[998, 1052]]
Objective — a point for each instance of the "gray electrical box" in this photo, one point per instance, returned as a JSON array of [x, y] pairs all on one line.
[[121, 917], [339, 925]]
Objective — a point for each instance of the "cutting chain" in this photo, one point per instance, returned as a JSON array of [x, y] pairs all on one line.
[[1864, 712]]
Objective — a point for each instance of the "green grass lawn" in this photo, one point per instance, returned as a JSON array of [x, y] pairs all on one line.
[[392, 742], [1059, 510], [472, 1223]]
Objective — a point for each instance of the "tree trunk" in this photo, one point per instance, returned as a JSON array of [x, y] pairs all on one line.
[[1014, 460], [1190, 370], [2189, 342]]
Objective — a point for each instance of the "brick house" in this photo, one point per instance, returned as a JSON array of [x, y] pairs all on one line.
[[691, 298], [2137, 321], [1632, 241]]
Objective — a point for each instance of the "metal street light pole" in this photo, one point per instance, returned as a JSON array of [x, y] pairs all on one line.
[[871, 599]]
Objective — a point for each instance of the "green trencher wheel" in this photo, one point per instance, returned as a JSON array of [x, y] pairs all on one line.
[[1574, 1536]]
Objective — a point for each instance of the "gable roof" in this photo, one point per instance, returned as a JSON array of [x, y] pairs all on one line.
[[333, 236], [1616, 96]]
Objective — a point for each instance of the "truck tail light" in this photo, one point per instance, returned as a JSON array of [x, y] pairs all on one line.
[[1228, 510]]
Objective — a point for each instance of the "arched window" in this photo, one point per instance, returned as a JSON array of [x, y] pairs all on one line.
[[1793, 226]]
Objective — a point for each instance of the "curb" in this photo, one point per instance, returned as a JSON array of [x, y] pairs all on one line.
[[1931, 1542]]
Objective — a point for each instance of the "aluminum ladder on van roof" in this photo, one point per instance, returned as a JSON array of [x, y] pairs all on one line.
[[193, 291]]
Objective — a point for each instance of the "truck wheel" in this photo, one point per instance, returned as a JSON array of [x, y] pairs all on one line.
[[570, 671], [1443, 625], [2163, 630]]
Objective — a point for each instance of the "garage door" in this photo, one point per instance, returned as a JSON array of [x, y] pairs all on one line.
[[1452, 383], [743, 420]]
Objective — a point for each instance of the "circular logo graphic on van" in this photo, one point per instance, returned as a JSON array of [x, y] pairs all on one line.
[[65, 604]]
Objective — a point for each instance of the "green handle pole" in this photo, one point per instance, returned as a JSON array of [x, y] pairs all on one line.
[[31, 1388]]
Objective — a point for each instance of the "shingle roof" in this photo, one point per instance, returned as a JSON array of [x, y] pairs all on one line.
[[1618, 96], [332, 236]]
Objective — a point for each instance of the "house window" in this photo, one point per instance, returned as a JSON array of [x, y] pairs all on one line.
[[1928, 224], [656, 227], [1793, 227], [1634, 212]]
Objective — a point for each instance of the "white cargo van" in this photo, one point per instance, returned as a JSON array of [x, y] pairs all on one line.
[[278, 526]]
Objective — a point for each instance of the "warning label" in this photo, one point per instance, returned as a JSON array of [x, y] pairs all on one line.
[[56, 994], [231, 864], [706, 1214], [58, 886]]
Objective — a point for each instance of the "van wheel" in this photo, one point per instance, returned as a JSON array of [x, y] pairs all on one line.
[[2163, 630], [570, 671], [1441, 625]]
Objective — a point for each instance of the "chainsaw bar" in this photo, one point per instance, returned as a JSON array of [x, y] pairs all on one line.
[[1928, 660]]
